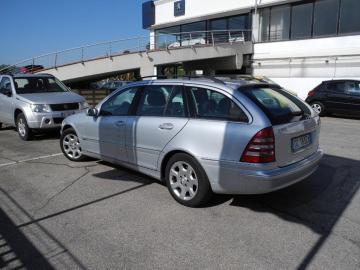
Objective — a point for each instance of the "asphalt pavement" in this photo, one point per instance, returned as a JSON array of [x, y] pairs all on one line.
[[56, 214]]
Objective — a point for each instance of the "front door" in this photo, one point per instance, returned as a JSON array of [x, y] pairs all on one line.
[[160, 115], [105, 134]]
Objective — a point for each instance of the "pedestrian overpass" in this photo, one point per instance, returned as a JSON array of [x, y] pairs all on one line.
[[208, 51]]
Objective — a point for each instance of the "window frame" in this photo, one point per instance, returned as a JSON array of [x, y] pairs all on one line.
[[173, 85], [192, 105], [119, 92]]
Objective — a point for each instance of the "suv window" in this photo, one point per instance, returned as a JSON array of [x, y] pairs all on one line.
[[119, 104], [211, 104], [5, 84], [162, 100], [338, 87]]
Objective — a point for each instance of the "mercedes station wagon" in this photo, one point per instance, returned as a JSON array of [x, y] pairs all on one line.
[[201, 136]]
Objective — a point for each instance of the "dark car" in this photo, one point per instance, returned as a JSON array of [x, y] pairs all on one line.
[[336, 96]]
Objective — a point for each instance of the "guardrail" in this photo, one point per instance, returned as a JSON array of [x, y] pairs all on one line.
[[138, 44]]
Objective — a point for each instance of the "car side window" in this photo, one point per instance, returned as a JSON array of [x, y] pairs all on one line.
[[337, 87], [354, 88], [211, 104], [5, 84], [162, 100], [119, 104]]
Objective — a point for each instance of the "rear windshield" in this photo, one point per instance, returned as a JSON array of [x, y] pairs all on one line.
[[33, 85], [280, 106]]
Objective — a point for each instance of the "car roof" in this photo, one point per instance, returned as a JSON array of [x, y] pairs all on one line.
[[341, 80]]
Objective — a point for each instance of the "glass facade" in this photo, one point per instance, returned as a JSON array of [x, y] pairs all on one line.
[[310, 19], [226, 29]]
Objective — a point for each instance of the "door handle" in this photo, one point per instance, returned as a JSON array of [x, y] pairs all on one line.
[[119, 123], [166, 126]]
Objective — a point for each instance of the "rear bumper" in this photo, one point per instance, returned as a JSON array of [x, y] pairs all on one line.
[[233, 179]]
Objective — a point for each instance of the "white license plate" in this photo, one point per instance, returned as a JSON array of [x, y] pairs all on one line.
[[66, 114], [300, 142]]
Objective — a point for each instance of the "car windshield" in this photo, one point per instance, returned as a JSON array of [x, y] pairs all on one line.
[[280, 106], [33, 85]]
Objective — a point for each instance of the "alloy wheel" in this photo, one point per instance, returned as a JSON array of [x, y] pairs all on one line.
[[183, 180], [72, 146]]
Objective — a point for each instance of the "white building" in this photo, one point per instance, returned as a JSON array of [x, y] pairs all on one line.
[[296, 43]]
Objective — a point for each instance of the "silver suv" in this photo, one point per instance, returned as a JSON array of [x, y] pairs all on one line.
[[201, 136], [32, 102]]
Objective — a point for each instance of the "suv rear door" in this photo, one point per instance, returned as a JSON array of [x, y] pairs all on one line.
[[296, 129], [6, 102]]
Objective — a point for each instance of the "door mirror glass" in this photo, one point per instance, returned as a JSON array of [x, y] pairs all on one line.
[[92, 112]]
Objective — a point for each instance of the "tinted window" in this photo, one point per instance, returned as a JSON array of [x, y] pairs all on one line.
[[221, 25], [279, 106], [326, 17], [197, 38], [301, 21], [349, 16], [338, 87], [214, 105], [168, 36], [162, 100], [120, 103], [280, 23], [353, 88]]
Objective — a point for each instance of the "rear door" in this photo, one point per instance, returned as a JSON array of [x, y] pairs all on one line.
[[160, 115], [296, 128], [6, 102], [337, 96], [354, 91]]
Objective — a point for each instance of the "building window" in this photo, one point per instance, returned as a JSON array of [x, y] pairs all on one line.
[[349, 16], [239, 23], [264, 24], [168, 37], [301, 21], [325, 17], [280, 23], [193, 33]]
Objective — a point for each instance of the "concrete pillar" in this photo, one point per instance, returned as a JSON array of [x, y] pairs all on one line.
[[152, 40], [255, 26]]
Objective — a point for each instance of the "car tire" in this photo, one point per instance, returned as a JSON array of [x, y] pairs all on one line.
[[0, 125], [70, 145], [187, 181], [25, 133], [318, 107]]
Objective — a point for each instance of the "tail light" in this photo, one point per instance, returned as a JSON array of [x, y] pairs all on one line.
[[311, 93], [261, 148]]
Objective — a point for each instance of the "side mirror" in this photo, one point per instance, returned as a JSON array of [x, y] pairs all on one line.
[[92, 112], [7, 92]]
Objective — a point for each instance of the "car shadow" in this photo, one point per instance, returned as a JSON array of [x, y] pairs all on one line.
[[318, 202]]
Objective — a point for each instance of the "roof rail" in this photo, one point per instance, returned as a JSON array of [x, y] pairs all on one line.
[[212, 78]]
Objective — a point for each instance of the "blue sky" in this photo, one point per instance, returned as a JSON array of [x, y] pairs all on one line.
[[33, 27]]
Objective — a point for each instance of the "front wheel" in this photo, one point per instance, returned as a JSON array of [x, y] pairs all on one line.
[[187, 181], [318, 107], [22, 127], [70, 145]]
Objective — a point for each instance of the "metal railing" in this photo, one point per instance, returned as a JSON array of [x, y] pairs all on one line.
[[167, 41]]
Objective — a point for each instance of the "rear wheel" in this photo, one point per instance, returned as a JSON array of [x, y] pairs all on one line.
[[70, 145], [0, 125], [187, 181], [318, 107], [22, 127]]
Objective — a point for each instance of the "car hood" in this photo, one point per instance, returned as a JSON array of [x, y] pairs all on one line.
[[52, 98]]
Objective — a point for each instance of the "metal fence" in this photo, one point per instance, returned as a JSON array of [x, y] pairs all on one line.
[[139, 44]]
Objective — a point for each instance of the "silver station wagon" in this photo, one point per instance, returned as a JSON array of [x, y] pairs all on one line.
[[201, 136]]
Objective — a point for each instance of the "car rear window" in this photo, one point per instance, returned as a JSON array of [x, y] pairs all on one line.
[[280, 106]]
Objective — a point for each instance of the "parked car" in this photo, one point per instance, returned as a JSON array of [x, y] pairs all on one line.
[[336, 96], [113, 85], [30, 69], [201, 136], [36, 102]]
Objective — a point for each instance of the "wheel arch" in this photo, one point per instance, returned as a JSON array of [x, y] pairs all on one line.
[[16, 114]]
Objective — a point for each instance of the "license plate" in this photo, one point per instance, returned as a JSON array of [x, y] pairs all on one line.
[[300, 142], [66, 114]]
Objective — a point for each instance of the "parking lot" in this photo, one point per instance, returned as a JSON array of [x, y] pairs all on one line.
[[64, 215]]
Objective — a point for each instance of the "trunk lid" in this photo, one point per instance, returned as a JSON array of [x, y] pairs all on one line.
[[296, 141]]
